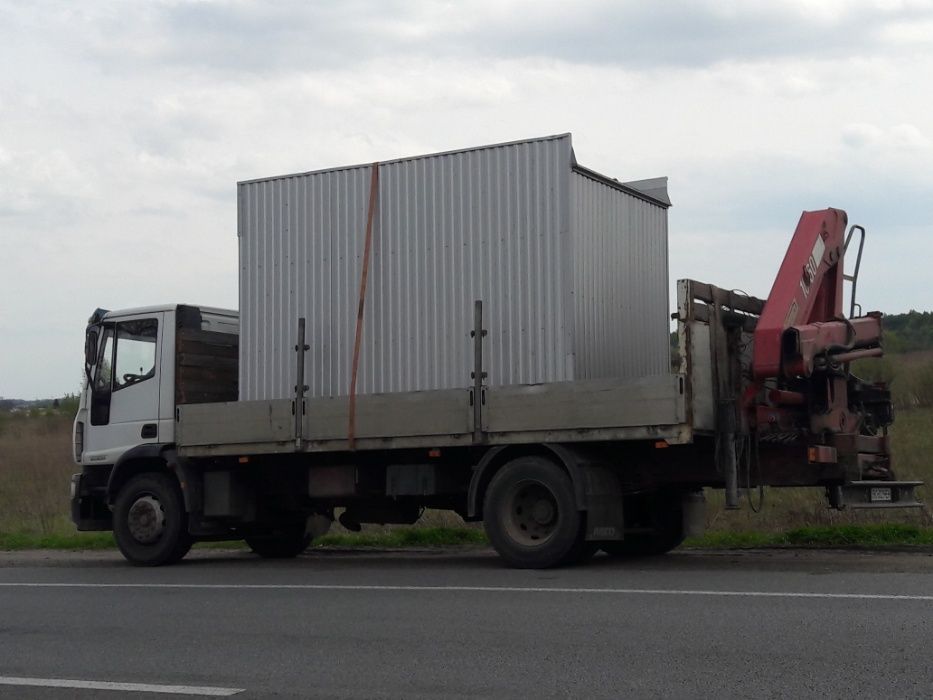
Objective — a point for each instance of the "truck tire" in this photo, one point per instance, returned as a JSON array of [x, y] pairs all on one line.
[[284, 544], [531, 516], [666, 516], [581, 553], [583, 550], [150, 524]]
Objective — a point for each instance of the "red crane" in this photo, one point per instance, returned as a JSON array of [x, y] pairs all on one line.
[[803, 344]]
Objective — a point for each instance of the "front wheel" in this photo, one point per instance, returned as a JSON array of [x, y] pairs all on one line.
[[530, 514], [150, 524]]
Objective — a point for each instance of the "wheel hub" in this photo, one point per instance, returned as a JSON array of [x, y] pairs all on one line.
[[533, 514], [543, 511], [146, 520]]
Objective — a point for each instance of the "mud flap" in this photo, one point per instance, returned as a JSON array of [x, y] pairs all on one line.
[[605, 517]]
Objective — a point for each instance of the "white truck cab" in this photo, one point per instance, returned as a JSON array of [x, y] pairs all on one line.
[[130, 389]]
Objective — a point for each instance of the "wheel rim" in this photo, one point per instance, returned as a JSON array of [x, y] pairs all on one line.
[[531, 514], [146, 519]]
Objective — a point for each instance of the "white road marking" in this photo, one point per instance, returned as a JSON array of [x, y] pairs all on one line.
[[473, 589], [123, 687]]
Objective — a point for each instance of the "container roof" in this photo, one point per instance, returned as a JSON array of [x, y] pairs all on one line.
[[554, 137], [653, 190]]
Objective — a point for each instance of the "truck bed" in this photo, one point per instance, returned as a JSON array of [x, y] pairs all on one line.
[[595, 410]]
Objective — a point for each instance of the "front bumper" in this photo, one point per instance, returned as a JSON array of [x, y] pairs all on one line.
[[89, 508]]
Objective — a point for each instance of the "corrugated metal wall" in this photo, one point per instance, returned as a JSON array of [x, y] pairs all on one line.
[[620, 282], [491, 223]]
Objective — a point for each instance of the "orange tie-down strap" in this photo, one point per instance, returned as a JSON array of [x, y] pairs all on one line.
[[364, 276]]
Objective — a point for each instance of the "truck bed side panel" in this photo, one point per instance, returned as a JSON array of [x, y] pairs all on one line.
[[429, 413], [235, 423], [608, 403], [647, 408]]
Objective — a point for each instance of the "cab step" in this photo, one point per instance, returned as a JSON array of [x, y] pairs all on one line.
[[879, 494]]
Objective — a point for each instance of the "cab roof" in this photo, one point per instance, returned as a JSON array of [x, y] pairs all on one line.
[[138, 310]]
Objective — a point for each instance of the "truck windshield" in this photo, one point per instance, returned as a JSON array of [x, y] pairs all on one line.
[[135, 353]]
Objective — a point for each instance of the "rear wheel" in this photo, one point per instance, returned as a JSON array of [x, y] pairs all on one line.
[[662, 514], [530, 515], [150, 524]]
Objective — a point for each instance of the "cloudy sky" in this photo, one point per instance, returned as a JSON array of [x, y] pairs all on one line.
[[125, 126]]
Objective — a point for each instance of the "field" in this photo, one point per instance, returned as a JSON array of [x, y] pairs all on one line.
[[35, 470], [912, 445], [35, 467]]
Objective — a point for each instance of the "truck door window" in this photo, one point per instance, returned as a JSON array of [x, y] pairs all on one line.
[[105, 363], [103, 380], [135, 352]]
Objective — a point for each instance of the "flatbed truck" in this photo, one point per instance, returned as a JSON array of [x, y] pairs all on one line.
[[763, 395]]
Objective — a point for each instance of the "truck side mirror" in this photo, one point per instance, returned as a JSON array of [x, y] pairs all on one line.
[[90, 347]]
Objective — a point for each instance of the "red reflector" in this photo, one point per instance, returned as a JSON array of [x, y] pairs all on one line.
[[660, 444], [243, 460], [434, 453]]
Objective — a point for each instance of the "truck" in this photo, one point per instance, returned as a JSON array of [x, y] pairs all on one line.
[[487, 332]]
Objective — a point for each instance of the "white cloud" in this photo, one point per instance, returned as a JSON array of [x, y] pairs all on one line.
[[243, 38], [42, 183], [909, 136], [914, 32], [125, 128], [898, 137], [861, 134]]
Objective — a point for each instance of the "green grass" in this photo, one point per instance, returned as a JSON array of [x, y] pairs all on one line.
[[81, 541], [862, 535], [392, 539], [14, 541], [875, 535], [833, 536], [733, 540]]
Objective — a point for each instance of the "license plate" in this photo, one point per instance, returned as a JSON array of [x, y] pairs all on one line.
[[880, 494]]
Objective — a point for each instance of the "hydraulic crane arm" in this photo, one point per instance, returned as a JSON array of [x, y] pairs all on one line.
[[802, 323], [791, 410]]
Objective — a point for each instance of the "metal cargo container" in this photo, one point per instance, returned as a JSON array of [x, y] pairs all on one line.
[[571, 268]]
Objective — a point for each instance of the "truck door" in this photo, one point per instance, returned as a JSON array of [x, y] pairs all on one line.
[[125, 388]]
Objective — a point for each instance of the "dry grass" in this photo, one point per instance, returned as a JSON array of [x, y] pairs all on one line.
[[430, 519], [35, 466], [910, 377], [35, 471], [912, 444]]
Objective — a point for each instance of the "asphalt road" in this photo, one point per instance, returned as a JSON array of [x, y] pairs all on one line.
[[458, 624]]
